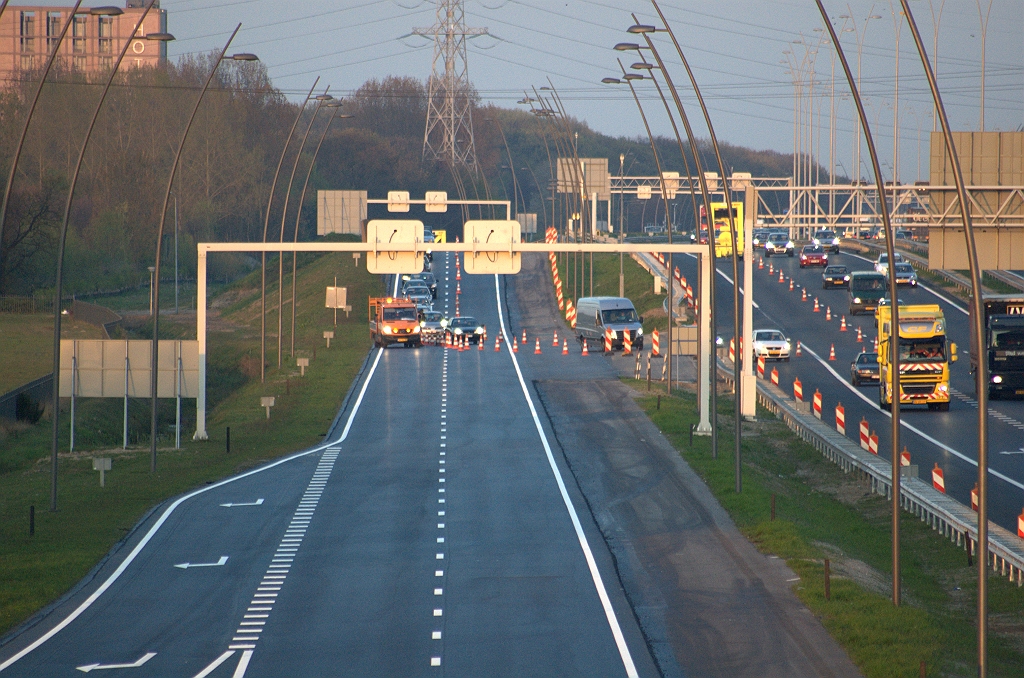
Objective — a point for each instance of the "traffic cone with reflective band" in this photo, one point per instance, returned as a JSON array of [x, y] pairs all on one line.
[[938, 479], [817, 309], [775, 376], [497, 344], [627, 343], [842, 324], [771, 269], [554, 342], [799, 349], [760, 262], [782, 278], [873, 443], [860, 336], [832, 352], [905, 457], [798, 390], [524, 337], [609, 335], [791, 285], [655, 343], [565, 347], [974, 497], [480, 343], [816, 403], [876, 344], [585, 351], [515, 345], [458, 274], [536, 349], [803, 294], [458, 288], [865, 434], [841, 419], [828, 314]]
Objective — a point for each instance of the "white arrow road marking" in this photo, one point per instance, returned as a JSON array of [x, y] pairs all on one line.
[[248, 503], [1020, 451], [142, 660], [185, 566], [216, 662]]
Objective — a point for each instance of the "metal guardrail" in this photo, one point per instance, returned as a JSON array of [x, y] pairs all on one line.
[[943, 514], [960, 282]]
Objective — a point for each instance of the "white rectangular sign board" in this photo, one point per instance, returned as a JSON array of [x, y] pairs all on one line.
[[394, 231], [492, 232], [337, 297], [100, 366]]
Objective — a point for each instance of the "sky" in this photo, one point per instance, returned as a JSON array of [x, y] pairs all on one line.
[[745, 55]]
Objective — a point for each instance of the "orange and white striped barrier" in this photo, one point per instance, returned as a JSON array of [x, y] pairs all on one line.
[[939, 479], [842, 324], [554, 342], [798, 390], [1020, 525], [905, 457], [515, 345], [864, 433], [832, 353], [585, 351], [803, 294], [678, 277], [570, 313], [655, 343], [609, 335], [817, 309], [873, 443], [974, 497], [627, 343], [816, 403], [732, 350], [828, 314], [760, 366], [775, 376], [536, 349], [841, 419], [860, 335]]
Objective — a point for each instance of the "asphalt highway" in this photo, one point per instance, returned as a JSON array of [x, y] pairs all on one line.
[[471, 513], [948, 439]]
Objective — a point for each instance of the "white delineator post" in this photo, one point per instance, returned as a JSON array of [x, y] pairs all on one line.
[[704, 354], [200, 433]]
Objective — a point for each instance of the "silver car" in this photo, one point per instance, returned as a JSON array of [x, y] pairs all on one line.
[[905, 274], [772, 344], [882, 265]]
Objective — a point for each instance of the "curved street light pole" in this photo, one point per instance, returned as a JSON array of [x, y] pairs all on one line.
[[320, 100], [893, 346], [62, 240], [266, 224], [25, 126], [155, 349], [743, 351], [981, 374], [302, 199]]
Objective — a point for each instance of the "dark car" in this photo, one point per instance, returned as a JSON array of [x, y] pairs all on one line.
[[426, 278], [866, 288], [778, 243], [864, 369], [813, 255], [465, 326], [835, 276]]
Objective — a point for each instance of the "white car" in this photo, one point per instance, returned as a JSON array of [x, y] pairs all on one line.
[[827, 239], [882, 265], [772, 344]]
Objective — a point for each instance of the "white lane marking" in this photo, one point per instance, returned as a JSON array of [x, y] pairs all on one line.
[[222, 561], [213, 666], [595, 574], [258, 502], [93, 667], [116, 574], [910, 427], [243, 664], [1020, 451], [729, 280]]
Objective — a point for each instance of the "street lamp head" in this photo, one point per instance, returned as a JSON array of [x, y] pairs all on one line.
[[160, 37], [324, 97], [332, 104], [641, 28], [626, 46], [345, 115], [244, 56], [545, 88], [105, 11], [642, 66], [633, 76], [611, 81]]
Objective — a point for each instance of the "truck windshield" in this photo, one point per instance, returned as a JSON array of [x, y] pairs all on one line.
[[923, 350], [400, 313], [1011, 338], [863, 284], [620, 315]]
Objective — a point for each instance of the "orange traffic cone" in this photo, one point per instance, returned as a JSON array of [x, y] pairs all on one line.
[[791, 285], [876, 344], [536, 349], [771, 269], [524, 336], [585, 351], [458, 288], [860, 336], [554, 342], [828, 314], [760, 262], [782, 278], [458, 274], [497, 344], [816, 308], [515, 345], [803, 295], [832, 352], [480, 343], [842, 325], [799, 350], [565, 347]]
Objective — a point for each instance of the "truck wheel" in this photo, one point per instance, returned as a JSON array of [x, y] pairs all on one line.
[[942, 407]]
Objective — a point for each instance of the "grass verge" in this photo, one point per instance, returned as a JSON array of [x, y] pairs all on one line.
[[27, 341], [35, 570], [823, 513]]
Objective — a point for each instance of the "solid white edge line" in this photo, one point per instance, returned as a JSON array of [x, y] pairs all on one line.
[[213, 666], [602, 593], [923, 287], [170, 509], [909, 427]]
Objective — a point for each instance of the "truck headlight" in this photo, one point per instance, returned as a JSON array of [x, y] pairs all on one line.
[[997, 379], [387, 330], [943, 388], [458, 330], [479, 330], [416, 329]]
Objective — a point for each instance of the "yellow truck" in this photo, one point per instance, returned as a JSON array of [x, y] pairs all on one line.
[[924, 356], [723, 232]]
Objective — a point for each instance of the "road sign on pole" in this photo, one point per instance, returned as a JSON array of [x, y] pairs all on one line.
[[491, 233], [436, 201], [398, 201], [385, 232]]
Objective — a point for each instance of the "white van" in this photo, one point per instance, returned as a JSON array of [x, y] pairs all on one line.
[[594, 315]]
